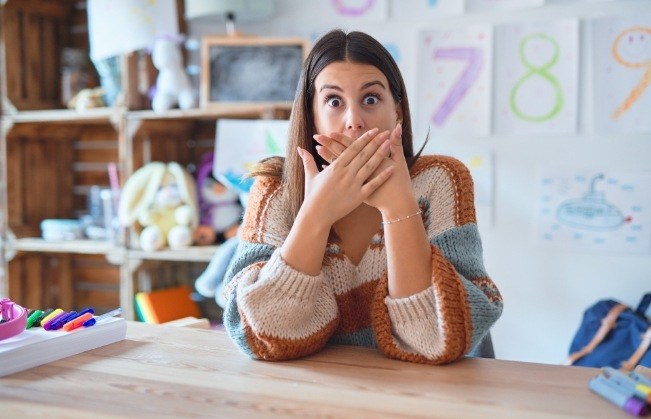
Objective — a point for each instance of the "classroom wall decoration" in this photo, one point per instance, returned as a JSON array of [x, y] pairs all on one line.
[[622, 74], [241, 143], [354, 10], [426, 9], [594, 210], [484, 5], [454, 80], [536, 83]]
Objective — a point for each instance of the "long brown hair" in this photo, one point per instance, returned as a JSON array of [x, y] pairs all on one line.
[[335, 46]]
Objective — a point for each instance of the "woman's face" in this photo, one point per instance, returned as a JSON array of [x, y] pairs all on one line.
[[353, 98]]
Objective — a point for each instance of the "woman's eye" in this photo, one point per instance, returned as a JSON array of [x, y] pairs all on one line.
[[371, 100], [334, 102]]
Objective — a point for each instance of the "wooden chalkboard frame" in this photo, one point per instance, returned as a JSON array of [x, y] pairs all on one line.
[[209, 52]]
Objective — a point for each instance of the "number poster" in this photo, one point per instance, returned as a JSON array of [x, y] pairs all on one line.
[[622, 74], [536, 79], [454, 80]]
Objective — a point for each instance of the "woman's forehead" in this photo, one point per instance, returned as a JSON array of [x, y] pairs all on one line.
[[350, 75]]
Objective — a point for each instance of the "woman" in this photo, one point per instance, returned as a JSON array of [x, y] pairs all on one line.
[[353, 239]]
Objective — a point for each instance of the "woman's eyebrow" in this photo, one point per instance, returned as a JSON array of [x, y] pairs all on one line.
[[331, 86], [373, 83]]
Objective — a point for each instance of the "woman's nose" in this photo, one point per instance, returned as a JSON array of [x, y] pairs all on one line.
[[354, 119]]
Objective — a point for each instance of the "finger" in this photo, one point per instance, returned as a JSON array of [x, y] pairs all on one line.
[[335, 147], [325, 152], [309, 165], [396, 143], [375, 161], [371, 186], [370, 149], [361, 149], [346, 141]]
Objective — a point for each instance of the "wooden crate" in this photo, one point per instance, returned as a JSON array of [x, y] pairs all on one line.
[[50, 171], [34, 33]]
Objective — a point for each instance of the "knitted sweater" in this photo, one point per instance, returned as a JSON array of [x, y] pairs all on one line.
[[275, 312]]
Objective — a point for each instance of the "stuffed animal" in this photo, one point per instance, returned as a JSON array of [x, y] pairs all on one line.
[[219, 208], [172, 84], [160, 199]]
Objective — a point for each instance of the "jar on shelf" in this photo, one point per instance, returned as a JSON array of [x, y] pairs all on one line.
[[76, 73]]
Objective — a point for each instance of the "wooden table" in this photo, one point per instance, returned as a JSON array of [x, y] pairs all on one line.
[[160, 370]]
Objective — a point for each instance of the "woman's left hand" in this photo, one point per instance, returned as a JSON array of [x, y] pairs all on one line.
[[400, 182]]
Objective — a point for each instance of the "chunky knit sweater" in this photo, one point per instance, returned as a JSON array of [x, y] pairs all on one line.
[[275, 312]]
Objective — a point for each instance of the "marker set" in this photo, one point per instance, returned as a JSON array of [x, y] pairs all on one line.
[[630, 391]]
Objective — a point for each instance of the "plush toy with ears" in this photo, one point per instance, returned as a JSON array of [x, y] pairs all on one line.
[[172, 84], [161, 199]]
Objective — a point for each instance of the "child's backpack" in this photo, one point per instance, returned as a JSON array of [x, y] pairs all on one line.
[[612, 334]]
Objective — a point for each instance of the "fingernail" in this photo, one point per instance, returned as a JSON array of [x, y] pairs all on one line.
[[299, 151], [399, 129]]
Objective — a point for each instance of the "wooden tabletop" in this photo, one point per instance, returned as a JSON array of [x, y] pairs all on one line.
[[161, 370]]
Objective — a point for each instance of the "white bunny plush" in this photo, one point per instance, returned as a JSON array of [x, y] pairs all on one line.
[[160, 199], [172, 84]]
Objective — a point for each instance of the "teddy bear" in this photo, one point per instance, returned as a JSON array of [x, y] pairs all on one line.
[[172, 84], [219, 208], [160, 199]]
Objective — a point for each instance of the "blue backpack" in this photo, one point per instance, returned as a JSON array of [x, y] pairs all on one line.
[[612, 334]]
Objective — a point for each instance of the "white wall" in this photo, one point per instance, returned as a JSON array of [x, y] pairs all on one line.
[[545, 291]]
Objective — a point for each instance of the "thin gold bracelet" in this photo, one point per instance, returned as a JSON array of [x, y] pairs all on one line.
[[419, 212]]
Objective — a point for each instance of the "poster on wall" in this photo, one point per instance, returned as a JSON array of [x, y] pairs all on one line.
[[240, 144], [489, 5], [595, 210], [349, 11], [622, 74], [536, 83], [425, 9], [454, 81]]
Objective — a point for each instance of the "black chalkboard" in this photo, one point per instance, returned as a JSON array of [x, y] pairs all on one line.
[[251, 70]]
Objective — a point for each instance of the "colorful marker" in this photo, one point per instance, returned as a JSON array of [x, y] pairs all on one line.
[[48, 325], [77, 314], [46, 313], [78, 322], [104, 316], [642, 391], [60, 321], [50, 316], [617, 395], [32, 318], [640, 378]]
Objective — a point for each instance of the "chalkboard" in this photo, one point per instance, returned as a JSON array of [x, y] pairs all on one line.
[[238, 70]]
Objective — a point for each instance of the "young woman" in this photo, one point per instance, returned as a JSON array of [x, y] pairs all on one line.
[[354, 239]]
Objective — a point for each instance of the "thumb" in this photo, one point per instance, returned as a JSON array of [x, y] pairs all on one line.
[[309, 165]]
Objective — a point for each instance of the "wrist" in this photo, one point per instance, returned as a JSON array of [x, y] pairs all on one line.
[[399, 209]]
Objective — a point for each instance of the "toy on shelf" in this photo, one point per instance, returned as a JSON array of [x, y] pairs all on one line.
[[172, 84], [219, 208], [161, 200]]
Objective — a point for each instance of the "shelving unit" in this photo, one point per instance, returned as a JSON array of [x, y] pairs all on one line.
[[50, 157]]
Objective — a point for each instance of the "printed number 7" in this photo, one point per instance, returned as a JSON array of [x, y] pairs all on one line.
[[475, 61]]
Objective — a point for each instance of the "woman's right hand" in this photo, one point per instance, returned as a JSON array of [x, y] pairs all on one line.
[[348, 181]]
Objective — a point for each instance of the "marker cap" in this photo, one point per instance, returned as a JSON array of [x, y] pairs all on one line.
[[636, 407]]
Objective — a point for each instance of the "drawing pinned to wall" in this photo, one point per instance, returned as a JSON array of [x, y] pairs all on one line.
[[622, 68], [454, 73], [240, 144], [487, 5], [425, 9], [537, 68], [355, 10], [595, 210]]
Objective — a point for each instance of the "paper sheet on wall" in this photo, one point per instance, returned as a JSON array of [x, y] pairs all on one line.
[[350, 11], [537, 67], [454, 81], [622, 74], [484, 5], [118, 27], [425, 9], [595, 210], [241, 144]]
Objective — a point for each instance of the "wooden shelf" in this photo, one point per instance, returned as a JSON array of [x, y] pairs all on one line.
[[191, 254], [90, 116], [227, 111], [88, 247]]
